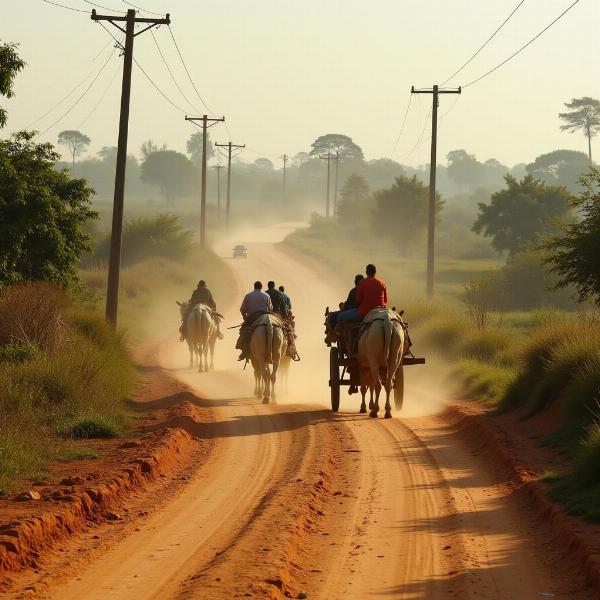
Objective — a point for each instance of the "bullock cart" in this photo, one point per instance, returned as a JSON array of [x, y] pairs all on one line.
[[343, 364]]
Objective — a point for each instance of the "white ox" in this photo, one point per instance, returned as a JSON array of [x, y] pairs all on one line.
[[201, 336], [268, 348], [380, 352]]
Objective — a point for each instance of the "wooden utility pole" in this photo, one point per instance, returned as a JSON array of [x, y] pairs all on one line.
[[335, 185], [230, 148], [114, 263], [328, 158], [218, 168], [284, 157], [205, 119], [435, 91]]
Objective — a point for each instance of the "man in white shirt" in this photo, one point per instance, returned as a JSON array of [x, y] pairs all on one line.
[[255, 304]]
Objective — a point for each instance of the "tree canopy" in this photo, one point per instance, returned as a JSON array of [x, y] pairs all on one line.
[[171, 171], [336, 142], [10, 64], [521, 213], [194, 147], [401, 212], [43, 214], [75, 142], [354, 195], [583, 115], [561, 167], [575, 253]]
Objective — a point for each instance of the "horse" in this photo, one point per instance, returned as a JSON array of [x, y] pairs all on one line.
[[268, 346], [201, 335], [380, 347]]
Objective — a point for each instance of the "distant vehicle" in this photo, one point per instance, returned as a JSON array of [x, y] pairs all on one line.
[[240, 251]]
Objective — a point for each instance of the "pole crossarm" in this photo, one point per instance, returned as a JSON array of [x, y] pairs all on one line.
[[210, 121], [120, 18], [457, 90]]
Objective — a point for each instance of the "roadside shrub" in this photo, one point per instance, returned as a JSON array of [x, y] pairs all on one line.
[[485, 344], [17, 353], [484, 381], [33, 314], [444, 333], [91, 427]]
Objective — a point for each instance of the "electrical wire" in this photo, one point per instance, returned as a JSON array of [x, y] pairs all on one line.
[[453, 105], [106, 90], [69, 94], [402, 126], [143, 9], [89, 87], [65, 6], [522, 47], [171, 73], [413, 150], [188, 73], [102, 7], [158, 89], [486, 42]]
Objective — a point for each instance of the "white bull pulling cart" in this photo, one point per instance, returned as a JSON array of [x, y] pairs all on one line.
[[343, 365]]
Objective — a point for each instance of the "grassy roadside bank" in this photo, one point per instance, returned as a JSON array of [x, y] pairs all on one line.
[[534, 362]]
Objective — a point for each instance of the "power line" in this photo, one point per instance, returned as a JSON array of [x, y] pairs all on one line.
[[412, 151], [70, 93], [485, 43], [403, 125], [171, 74], [112, 79], [143, 9], [100, 6], [65, 6], [453, 105], [188, 72], [158, 89], [89, 87], [522, 47]]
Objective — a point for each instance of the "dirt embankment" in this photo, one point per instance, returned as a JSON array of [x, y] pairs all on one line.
[[81, 494]]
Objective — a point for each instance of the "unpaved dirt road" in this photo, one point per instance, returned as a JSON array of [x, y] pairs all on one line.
[[295, 499]]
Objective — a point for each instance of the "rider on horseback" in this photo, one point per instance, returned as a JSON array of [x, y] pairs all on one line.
[[255, 304], [201, 295]]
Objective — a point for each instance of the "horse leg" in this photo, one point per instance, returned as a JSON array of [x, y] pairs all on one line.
[[212, 352], [191, 349], [363, 393], [266, 376], [376, 384]]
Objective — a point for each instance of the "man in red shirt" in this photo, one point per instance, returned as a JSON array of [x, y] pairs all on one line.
[[371, 293]]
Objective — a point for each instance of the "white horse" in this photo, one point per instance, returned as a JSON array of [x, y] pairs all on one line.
[[268, 347], [201, 336], [380, 349]]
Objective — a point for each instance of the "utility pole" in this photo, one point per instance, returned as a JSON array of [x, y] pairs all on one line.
[[328, 158], [335, 185], [205, 125], [230, 148], [114, 263], [435, 91], [218, 168], [285, 159]]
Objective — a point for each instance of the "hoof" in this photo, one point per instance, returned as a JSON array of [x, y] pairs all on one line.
[[265, 401], [363, 409], [388, 415], [373, 415]]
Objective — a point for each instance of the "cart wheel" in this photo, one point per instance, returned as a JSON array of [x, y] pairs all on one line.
[[399, 388], [334, 378]]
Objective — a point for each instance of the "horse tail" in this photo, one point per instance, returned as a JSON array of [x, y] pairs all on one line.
[[269, 340]]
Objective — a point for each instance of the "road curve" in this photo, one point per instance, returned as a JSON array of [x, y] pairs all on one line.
[[296, 499]]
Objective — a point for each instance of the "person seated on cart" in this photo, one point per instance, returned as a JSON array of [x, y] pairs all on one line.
[[277, 300], [371, 293], [286, 299], [255, 304], [348, 305]]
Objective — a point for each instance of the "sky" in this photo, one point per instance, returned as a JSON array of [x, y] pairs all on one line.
[[285, 72]]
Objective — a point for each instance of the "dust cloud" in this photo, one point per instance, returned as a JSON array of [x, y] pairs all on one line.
[[311, 289]]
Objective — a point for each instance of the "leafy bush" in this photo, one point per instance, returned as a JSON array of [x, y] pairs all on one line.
[[17, 353], [485, 345], [93, 427], [143, 238]]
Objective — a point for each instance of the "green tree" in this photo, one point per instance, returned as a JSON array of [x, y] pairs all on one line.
[[10, 64], [43, 214], [354, 196], [583, 115], [400, 212], [575, 253], [464, 169], [148, 147], [561, 167], [521, 213], [194, 147], [336, 142], [171, 171], [75, 142]]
